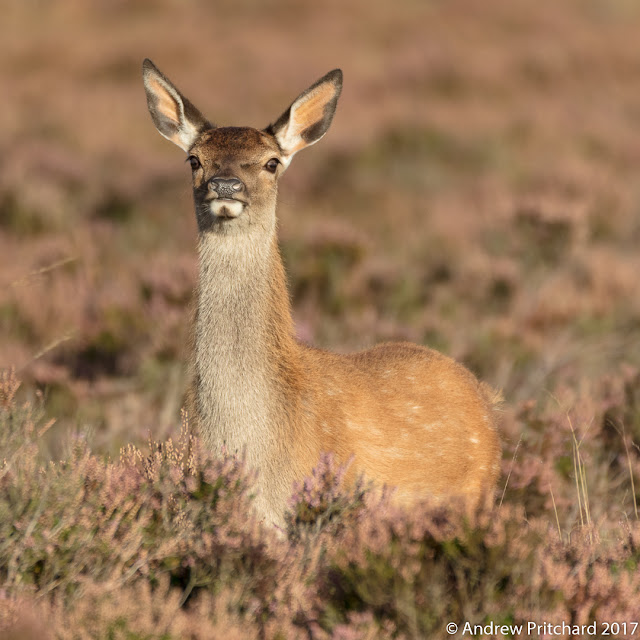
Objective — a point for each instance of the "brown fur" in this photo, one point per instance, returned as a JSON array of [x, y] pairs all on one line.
[[409, 416]]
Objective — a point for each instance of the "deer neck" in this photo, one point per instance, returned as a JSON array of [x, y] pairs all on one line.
[[244, 345]]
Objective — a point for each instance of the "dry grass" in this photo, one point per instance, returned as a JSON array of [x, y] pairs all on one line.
[[477, 192]]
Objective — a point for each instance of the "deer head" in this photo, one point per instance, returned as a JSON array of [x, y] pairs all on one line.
[[235, 170]]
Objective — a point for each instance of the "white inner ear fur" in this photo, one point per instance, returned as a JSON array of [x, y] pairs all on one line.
[[187, 134]]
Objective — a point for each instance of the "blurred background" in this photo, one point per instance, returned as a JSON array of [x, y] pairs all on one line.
[[478, 191]]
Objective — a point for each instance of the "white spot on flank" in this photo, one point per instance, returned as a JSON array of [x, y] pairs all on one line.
[[474, 440], [394, 452]]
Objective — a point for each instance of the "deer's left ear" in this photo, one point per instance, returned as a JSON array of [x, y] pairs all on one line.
[[309, 117]]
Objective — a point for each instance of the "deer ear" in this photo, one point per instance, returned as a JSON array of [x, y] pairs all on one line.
[[174, 116], [309, 117]]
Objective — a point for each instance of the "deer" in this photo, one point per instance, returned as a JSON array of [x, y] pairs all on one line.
[[402, 415]]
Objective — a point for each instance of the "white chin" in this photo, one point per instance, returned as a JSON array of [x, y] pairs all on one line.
[[226, 208]]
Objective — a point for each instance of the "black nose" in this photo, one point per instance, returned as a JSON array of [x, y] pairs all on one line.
[[226, 187]]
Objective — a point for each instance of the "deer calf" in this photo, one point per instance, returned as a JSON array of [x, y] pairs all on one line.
[[410, 417]]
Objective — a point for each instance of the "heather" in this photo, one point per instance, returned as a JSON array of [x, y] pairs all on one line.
[[162, 543], [477, 193]]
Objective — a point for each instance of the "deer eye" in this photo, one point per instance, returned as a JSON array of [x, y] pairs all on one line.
[[194, 162], [272, 165]]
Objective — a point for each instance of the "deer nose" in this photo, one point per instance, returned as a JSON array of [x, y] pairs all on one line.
[[226, 187]]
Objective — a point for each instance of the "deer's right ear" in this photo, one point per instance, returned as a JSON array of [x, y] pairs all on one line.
[[174, 116]]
